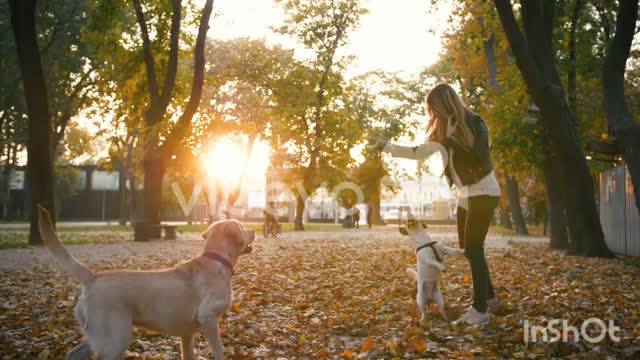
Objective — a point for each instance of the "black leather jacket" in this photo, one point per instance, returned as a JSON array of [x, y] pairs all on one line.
[[471, 164]]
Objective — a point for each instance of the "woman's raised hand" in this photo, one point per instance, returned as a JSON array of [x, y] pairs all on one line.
[[378, 143]]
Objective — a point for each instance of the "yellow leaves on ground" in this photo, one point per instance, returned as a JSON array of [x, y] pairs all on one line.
[[347, 354], [339, 294], [368, 344], [418, 344]]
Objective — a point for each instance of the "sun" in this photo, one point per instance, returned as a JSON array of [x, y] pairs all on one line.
[[224, 161]]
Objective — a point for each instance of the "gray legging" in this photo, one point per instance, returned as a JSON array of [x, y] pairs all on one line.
[[473, 224]]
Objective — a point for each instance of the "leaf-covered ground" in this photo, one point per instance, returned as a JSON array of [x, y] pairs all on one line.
[[332, 294], [16, 235]]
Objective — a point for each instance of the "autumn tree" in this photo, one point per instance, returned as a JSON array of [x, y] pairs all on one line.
[[535, 58], [248, 83], [624, 129], [39, 157], [148, 38], [67, 63], [322, 27], [157, 153], [386, 108]]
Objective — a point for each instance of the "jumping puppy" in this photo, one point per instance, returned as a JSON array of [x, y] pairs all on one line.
[[430, 264], [178, 301]]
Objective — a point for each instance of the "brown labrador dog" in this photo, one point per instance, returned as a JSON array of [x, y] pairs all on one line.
[[178, 301]]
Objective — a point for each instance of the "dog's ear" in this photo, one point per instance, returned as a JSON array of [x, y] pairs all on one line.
[[424, 226], [403, 231], [206, 233]]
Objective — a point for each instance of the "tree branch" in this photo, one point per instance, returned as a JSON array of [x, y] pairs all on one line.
[[183, 125], [604, 19], [148, 55], [615, 64], [172, 68], [518, 44]]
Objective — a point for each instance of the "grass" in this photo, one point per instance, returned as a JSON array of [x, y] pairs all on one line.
[[108, 234]]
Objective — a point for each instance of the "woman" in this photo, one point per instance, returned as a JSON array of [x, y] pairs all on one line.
[[464, 136]]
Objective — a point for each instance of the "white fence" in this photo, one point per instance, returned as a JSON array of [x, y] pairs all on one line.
[[618, 212]]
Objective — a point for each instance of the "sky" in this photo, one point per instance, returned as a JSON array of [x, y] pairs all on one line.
[[394, 36]]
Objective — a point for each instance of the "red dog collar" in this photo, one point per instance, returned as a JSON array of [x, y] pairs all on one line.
[[221, 259]]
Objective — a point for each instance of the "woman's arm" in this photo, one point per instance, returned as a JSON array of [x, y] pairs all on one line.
[[415, 152]]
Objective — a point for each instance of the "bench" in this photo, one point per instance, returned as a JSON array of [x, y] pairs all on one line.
[[145, 232], [169, 231]]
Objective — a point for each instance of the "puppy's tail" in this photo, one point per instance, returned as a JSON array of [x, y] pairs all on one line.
[[60, 253], [412, 273]]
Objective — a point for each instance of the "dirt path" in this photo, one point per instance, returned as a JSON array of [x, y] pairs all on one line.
[[189, 245]]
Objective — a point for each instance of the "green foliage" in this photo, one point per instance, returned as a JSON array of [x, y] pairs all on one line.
[[517, 146], [79, 146], [322, 26], [67, 61], [67, 183], [386, 108], [314, 136]]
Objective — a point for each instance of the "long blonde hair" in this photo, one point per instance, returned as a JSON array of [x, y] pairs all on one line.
[[444, 105]]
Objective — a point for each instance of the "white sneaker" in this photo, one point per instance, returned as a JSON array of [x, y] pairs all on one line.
[[474, 317], [493, 304]]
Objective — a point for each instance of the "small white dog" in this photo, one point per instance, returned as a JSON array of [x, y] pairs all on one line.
[[430, 264], [178, 301]]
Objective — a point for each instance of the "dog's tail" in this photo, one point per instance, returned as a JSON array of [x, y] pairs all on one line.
[[412, 272], [64, 258]]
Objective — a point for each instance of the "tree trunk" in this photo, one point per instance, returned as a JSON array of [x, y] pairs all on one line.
[[510, 182], [505, 216], [504, 204], [297, 223], [571, 73], [122, 191], [35, 92], [514, 204], [6, 183], [154, 170], [131, 195], [556, 218], [133, 198], [157, 156], [376, 219], [624, 130], [26, 204], [536, 60]]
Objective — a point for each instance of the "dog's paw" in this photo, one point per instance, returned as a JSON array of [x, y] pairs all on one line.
[[422, 322], [442, 267]]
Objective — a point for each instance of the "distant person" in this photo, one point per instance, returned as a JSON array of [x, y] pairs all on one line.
[[468, 166], [356, 217], [270, 219], [369, 213]]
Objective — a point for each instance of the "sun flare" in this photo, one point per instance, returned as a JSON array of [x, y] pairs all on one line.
[[225, 161]]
